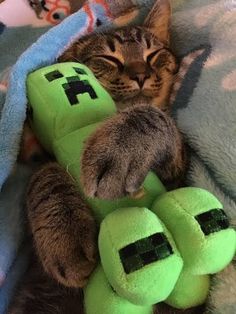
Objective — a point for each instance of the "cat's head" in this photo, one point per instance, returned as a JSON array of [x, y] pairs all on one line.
[[132, 62]]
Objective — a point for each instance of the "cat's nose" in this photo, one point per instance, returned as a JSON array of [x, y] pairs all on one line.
[[139, 72], [140, 78]]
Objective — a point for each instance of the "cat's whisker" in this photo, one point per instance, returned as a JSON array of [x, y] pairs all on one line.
[[76, 59]]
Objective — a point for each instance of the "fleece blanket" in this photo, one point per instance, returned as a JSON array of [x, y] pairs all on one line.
[[205, 106], [204, 35], [205, 110]]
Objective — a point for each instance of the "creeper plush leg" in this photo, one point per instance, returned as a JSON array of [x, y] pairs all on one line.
[[202, 234]]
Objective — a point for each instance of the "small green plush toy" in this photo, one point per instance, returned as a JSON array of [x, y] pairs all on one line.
[[154, 246]]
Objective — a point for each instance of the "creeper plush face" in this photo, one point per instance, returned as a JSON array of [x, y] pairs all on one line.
[[65, 97]]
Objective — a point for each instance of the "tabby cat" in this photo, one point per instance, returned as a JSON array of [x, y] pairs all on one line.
[[136, 66]]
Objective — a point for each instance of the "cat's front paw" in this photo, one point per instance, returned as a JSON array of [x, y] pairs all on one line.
[[115, 176], [119, 155]]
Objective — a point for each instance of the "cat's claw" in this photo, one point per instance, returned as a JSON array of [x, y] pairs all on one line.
[[116, 180]]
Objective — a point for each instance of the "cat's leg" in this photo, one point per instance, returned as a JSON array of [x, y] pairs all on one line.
[[222, 298], [62, 225], [40, 294], [126, 147], [172, 171]]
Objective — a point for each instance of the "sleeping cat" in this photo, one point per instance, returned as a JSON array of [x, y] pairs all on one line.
[[136, 67]]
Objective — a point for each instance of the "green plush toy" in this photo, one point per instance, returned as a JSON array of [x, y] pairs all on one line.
[[154, 246]]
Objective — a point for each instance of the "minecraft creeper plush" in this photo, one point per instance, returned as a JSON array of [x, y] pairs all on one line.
[[155, 245]]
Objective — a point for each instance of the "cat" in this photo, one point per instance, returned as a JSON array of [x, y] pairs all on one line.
[[132, 64], [136, 66]]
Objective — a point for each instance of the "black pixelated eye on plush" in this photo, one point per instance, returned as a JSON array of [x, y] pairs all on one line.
[[144, 252], [212, 221], [79, 71], [54, 75]]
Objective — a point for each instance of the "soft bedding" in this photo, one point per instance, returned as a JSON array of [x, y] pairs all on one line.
[[204, 98]]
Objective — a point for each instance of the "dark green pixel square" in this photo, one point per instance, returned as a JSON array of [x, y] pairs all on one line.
[[80, 71], [144, 245], [132, 264], [54, 75], [213, 221], [163, 251]]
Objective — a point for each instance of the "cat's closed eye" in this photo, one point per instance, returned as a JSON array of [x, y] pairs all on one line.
[[113, 61]]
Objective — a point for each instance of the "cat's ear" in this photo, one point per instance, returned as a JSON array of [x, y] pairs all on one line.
[[158, 20]]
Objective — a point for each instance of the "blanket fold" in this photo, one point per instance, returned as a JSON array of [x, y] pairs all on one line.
[[12, 217]]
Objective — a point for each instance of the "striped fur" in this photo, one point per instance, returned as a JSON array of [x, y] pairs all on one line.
[[62, 225]]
